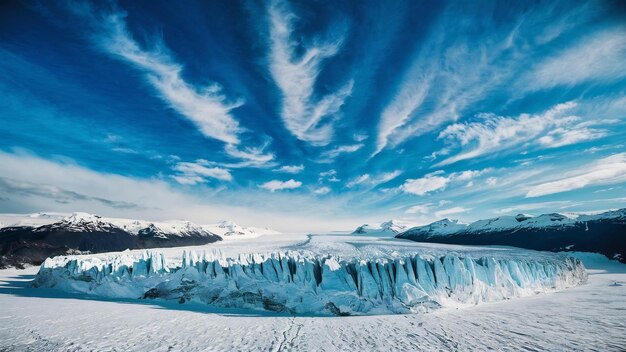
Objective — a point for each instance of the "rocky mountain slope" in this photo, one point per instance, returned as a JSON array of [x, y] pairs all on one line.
[[602, 233], [81, 232]]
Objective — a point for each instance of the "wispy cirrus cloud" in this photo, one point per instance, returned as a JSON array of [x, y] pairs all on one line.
[[373, 180], [207, 107], [600, 56], [278, 185], [438, 181], [193, 173], [455, 67], [330, 155], [295, 72], [550, 129], [608, 170], [461, 64], [290, 169], [451, 211]]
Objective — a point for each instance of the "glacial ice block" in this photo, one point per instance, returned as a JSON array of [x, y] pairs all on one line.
[[297, 284]]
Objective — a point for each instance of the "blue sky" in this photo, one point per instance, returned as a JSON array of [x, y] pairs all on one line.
[[317, 115]]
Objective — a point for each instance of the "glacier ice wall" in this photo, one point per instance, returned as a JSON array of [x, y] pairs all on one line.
[[296, 284]]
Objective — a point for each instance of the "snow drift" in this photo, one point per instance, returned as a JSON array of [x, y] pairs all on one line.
[[296, 284]]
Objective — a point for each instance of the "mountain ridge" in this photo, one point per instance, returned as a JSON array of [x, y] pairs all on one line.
[[603, 233]]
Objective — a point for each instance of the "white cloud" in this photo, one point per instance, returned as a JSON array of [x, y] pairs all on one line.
[[36, 184], [424, 185], [277, 185], [396, 115], [252, 157], [374, 180], [451, 211], [329, 173], [609, 170], [419, 209], [206, 107], [553, 128], [295, 67], [331, 154], [330, 176], [322, 190], [290, 169], [359, 137], [455, 67], [535, 206], [492, 181], [599, 57], [460, 64], [194, 173], [436, 181]]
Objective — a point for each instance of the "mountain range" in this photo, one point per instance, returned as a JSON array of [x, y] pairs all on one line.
[[31, 238], [602, 233]]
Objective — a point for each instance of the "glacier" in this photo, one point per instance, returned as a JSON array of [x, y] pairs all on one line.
[[294, 282]]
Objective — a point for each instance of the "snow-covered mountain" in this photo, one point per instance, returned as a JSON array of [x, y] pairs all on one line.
[[388, 228], [604, 233], [34, 237], [228, 229], [80, 222]]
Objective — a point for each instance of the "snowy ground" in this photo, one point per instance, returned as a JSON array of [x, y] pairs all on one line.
[[588, 317]]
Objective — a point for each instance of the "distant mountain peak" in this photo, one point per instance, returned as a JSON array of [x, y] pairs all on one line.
[[387, 228]]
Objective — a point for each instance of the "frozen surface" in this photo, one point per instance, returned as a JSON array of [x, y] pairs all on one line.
[[588, 317], [322, 275]]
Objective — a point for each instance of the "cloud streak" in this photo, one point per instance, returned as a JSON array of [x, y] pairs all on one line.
[[206, 107], [198, 172], [609, 170], [437, 181], [598, 57], [491, 134], [307, 118]]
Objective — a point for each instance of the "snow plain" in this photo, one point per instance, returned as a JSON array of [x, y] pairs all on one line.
[[587, 317]]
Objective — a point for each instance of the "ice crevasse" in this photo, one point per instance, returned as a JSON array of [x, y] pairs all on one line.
[[294, 283]]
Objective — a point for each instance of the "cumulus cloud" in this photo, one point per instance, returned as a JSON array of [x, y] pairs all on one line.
[[277, 185], [290, 169], [491, 133], [295, 67], [198, 172], [609, 170], [373, 180]]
